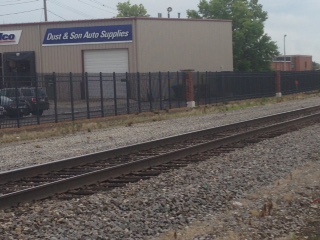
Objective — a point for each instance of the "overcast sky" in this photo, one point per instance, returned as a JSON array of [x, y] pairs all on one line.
[[297, 19]]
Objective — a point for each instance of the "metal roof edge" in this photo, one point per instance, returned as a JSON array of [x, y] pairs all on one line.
[[112, 20]]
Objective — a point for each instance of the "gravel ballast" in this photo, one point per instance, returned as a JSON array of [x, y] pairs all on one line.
[[220, 198]]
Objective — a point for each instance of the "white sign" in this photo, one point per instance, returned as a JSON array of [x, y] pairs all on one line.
[[10, 37]]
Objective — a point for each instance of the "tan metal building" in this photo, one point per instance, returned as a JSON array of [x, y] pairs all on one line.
[[119, 45]]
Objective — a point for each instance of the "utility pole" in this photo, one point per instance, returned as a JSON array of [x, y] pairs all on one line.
[[45, 10], [284, 52]]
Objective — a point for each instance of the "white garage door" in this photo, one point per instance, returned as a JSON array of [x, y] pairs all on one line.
[[106, 61]]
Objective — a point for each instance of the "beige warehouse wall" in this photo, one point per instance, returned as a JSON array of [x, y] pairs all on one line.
[[158, 45], [70, 56], [62, 59], [175, 44]]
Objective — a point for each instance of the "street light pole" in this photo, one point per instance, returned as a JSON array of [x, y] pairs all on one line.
[[284, 52], [45, 10]]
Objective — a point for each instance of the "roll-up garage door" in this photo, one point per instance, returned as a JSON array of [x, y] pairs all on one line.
[[106, 62]]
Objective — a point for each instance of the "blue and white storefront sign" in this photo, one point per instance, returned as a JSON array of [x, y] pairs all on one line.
[[10, 37], [88, 35]]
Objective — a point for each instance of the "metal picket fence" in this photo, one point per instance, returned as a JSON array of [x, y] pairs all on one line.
[[84, 96]]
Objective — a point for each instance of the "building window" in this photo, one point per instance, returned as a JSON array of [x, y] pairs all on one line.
[[305, 65], [281, 59]]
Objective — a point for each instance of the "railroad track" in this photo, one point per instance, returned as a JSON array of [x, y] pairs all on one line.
[[96, 172]]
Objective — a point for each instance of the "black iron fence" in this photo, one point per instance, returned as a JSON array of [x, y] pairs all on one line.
[[84, 96], [295, 82]]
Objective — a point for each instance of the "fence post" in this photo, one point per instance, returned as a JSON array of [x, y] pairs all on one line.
[[17, 98], [150, 92], [178, 84], [101, 94], [160, 91], [115, 94], [209, 79], [71, 96], [128, 93], [55, 97], [198, 85], [169, 89], [87, 94], [206, 89], [139, 92], [278, 84], [188, 77], [37, 99]]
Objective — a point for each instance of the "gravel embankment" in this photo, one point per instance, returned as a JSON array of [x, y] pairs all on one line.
[[217, 199], [23, 154]]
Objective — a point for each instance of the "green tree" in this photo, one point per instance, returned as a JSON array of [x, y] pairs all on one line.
[[125, 9], [315, 66], [253, 50]]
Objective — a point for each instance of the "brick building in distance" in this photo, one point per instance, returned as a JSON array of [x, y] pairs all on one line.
[[292, 63]]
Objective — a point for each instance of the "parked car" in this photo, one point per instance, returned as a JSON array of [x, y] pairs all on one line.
[[12, 108], [37, 101], [2, 113]]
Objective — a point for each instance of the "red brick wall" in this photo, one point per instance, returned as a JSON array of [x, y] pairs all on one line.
[[298, 63], [302, 63]]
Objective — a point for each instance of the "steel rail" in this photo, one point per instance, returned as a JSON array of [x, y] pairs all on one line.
[[16, 174], [64, 185]]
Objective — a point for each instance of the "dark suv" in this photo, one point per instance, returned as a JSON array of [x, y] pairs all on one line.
[[37, 101]]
